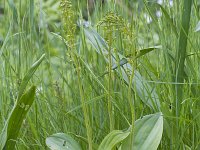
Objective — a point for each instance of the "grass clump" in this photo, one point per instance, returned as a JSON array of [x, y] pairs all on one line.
[[125, 78]]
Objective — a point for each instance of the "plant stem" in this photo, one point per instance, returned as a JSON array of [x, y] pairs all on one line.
[[85, 108], [180, 60], [132, 107], [110, 109], [181, 53]]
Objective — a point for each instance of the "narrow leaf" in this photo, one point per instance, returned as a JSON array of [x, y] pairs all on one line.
[[168, 19], [140, 53], [146, 93], [29, 74], [181, 53], [96, 40], [12, 6], [145, 51], [18, 114]]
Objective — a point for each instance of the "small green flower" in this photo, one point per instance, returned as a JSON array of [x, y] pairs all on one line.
[[68, 17]]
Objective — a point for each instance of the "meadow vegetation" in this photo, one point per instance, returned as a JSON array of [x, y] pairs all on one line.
[[103, 75]]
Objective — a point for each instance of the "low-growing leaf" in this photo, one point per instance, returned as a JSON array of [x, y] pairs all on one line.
[[112, 139], [62, 141], [11, 129], [147, 133], [24, 101]]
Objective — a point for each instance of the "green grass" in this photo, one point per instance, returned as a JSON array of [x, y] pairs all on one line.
[[95, 82]]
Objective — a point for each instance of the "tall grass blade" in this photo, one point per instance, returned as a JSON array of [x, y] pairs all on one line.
[[11, 3], [5, 41], [181, 53], [29, 74], [168, 19]]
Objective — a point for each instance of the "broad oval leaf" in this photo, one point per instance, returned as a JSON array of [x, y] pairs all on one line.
[[147, 133], [112, 139], [62, 141]]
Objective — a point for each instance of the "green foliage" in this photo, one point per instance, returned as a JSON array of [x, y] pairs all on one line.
[[62, 141], [181, 52], [148, 133], [29, 74], [23, 103], [69, 21], [11, 130], [146, 93], [112, 139], [130, 59]]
